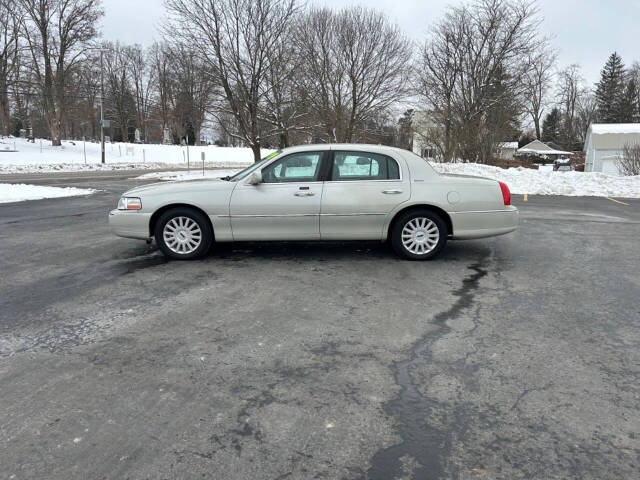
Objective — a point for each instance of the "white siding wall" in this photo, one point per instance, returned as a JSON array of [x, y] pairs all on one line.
[[599, 146], [588, 161], [600, 154]]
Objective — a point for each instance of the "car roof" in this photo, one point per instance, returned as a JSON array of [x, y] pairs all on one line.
[[415, 163], [358, 147]]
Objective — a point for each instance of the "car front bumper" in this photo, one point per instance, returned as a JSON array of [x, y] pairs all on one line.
[[129, 224]]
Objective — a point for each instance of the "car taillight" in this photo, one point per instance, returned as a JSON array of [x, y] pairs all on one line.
[[506, 194]]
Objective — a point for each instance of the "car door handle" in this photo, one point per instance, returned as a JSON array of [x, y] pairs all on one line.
[[304, 194], [391, 192]]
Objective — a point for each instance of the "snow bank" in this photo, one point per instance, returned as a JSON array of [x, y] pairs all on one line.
[[185, 175], [536, 182], [42, 157], [10, 192], [520, 180]]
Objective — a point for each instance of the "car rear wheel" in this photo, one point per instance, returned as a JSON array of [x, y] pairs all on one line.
[[419, 235], [183, 234]]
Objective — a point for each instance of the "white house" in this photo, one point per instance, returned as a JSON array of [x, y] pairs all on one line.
[[605, 143], [506, 150], [541, 150], [424, 131]]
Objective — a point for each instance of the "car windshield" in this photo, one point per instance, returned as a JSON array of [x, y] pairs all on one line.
[[247, 171]]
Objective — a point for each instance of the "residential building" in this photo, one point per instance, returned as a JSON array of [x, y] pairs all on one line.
[[605, 144]]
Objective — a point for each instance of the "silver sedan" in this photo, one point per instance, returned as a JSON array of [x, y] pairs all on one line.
[[320, 192]]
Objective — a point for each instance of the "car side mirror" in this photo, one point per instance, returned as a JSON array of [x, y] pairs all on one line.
[[255, 178]]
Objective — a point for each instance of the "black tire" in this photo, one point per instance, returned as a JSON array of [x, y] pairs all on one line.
[[206, 239], [396, 235]]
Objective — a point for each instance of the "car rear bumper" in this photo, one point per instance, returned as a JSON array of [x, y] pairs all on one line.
[[129, 224], [481, 224]]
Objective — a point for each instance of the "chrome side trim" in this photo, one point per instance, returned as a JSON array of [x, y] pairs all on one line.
[[332, 182], [348, 214], [301, 215], [268, 216], [482, 211]]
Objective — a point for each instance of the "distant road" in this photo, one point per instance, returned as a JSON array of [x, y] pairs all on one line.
[[56, 178]]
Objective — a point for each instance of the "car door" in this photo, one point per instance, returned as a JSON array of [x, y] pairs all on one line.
[[361, 190], [285, 206]]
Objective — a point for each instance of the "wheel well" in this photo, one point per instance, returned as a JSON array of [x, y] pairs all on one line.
[[444, 215], [156, 215]]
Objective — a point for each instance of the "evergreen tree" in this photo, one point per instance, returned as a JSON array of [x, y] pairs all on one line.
[[629, 108], [405, 130], [610, 90], [551, 126]]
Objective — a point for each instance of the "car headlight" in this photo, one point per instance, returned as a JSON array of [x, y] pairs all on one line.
[[129, 203]]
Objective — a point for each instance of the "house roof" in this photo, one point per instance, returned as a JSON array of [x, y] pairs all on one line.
[[611, 136], [539, 148], [513, 145], [608, 128]]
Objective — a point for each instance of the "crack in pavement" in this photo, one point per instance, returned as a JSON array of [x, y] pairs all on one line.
[[424, 444]]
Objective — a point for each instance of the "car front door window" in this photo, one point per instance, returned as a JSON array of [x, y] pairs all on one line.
[[297, 167]]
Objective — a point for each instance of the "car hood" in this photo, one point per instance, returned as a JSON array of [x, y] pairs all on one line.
[[179, 186]]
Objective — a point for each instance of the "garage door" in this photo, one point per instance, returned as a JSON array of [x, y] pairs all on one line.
[[609, 166]]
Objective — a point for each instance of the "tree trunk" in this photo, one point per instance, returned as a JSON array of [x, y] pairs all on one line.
[[5, 116], [536, 122], [255, 148], [54, 126], [284, 139]]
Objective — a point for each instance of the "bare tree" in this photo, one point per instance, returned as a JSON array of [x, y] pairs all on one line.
[[471, 74], [9, 48], [586, 114], [58, 33], [571, 88], [629, 163], [284, 109], [193, 91], [438, 72], [119, 101], [161, 65], [355, 63], [142, 79], [233, 38], [538, 83]]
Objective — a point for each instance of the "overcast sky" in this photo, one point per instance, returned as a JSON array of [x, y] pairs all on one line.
[[584, 31]]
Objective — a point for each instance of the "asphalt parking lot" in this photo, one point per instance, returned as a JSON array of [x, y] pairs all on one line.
[[516, 357]]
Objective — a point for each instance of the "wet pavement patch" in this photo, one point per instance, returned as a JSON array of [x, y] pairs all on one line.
[[423, 446], [23, 300]]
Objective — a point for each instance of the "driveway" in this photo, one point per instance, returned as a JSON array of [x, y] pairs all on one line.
[[506, 358]]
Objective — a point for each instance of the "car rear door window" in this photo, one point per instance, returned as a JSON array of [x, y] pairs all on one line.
[[297, 167], [363, 166]]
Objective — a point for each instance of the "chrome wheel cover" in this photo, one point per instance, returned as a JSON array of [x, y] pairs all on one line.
[[182, 235], [420, 235]]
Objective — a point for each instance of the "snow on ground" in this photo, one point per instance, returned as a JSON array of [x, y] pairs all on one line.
[[13, 192], [520, 180], [188, 175], [535, 182], [42, 157]]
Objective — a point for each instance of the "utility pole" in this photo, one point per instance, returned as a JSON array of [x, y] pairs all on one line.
[[101, 106]]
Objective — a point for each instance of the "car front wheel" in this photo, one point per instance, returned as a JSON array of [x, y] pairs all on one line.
[[419, 235], [183, 234]]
